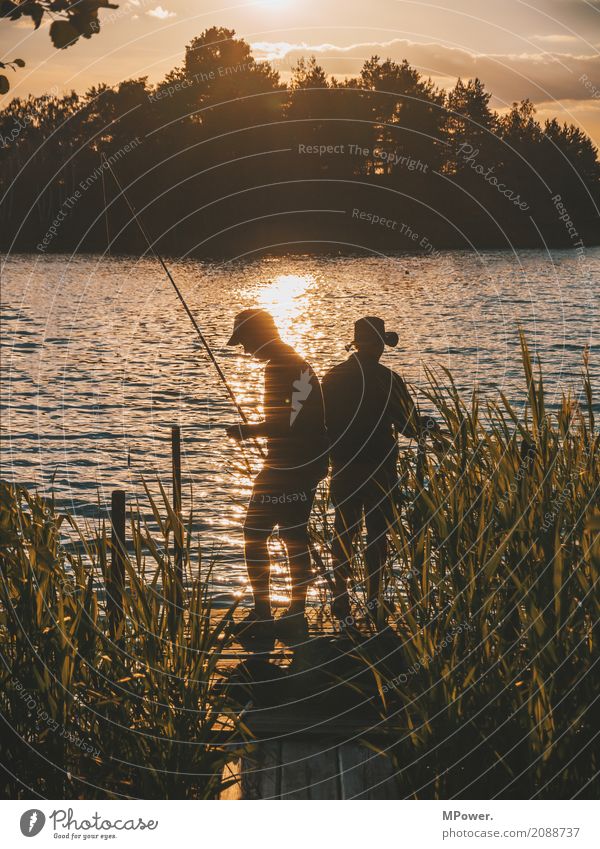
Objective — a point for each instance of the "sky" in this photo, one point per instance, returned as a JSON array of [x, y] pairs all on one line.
[[546, 50]]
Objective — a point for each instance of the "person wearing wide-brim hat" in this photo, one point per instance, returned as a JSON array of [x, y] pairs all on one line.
[[367, 406], [284, 490]]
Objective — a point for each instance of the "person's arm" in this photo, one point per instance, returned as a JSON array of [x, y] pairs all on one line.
[[269, 427], [406, 419], [277, 405], [403, 410], [251, 430]]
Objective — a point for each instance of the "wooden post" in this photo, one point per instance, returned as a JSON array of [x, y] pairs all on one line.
[[178, 531], [116, 578], [415, 591], [421, 462]]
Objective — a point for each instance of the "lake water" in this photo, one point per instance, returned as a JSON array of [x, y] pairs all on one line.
[[99, 358]]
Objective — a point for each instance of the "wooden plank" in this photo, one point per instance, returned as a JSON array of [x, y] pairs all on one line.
[[352, 759], [380, 779], [272, 772], [257, 774], [294, 775], [309, 771], [323, 773], [267, 723], [264, 782], [366, 774], [232, 770]]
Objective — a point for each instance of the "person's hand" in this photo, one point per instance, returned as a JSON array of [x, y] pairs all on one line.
[[440, 439], [235, 432], [429, 426]]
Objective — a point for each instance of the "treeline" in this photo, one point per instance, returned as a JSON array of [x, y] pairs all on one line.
[[223, 158]]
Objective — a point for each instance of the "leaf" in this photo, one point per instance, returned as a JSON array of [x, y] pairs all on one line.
[[470, 677], [33, 10], [86, 22], [4, 84], [593, 522], [63, 34], [9, 10], [19, 63]]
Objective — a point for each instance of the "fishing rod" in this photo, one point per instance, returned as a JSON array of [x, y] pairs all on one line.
[[182, 299], [315, 554]]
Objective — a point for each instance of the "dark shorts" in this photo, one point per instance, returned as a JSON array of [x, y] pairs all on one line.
[[356, 490], [280, 498]]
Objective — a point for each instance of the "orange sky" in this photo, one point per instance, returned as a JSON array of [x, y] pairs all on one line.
[[547, 50]]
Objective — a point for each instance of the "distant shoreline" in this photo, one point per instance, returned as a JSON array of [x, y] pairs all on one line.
[[311, 250]]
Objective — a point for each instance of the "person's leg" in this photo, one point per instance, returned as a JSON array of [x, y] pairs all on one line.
[[380, 514], [292, 626], [258, 567], [375, 554], [296, 543], [346, 526], [257, 529], [293, 530]]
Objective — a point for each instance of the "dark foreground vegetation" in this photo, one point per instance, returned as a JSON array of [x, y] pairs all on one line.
[[223, 158], [484, 685]]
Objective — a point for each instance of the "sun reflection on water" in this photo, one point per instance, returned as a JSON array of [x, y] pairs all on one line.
[[288, 297], [139, 369]]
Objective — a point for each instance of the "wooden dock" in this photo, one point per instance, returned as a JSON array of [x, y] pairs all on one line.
[[305, 769], [315, 722]]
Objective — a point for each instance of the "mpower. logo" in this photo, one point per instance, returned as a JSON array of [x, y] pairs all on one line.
[[32, 822]]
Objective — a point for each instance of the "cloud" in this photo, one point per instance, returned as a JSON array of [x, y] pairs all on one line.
[[542, 77], [275, 50], [555, 38], [160, 13]]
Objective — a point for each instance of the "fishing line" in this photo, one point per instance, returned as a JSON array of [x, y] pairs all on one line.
[[187, 309], [316, 555]]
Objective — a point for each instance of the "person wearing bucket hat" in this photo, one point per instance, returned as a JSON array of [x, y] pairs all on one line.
[[284, 490], [367, 406]]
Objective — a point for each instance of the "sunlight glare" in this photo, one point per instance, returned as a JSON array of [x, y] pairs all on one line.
[[272, 4], [287, 298]]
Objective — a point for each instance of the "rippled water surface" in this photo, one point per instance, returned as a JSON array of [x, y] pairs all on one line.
[[99, 358]]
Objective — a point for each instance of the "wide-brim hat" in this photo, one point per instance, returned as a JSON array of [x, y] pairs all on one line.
[[372, 328]]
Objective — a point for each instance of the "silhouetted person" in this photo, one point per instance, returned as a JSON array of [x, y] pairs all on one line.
[[296, 461], [367, 406]]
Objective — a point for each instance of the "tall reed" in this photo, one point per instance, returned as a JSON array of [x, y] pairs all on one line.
[[496, 599], [91, 713], [487, 687]]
